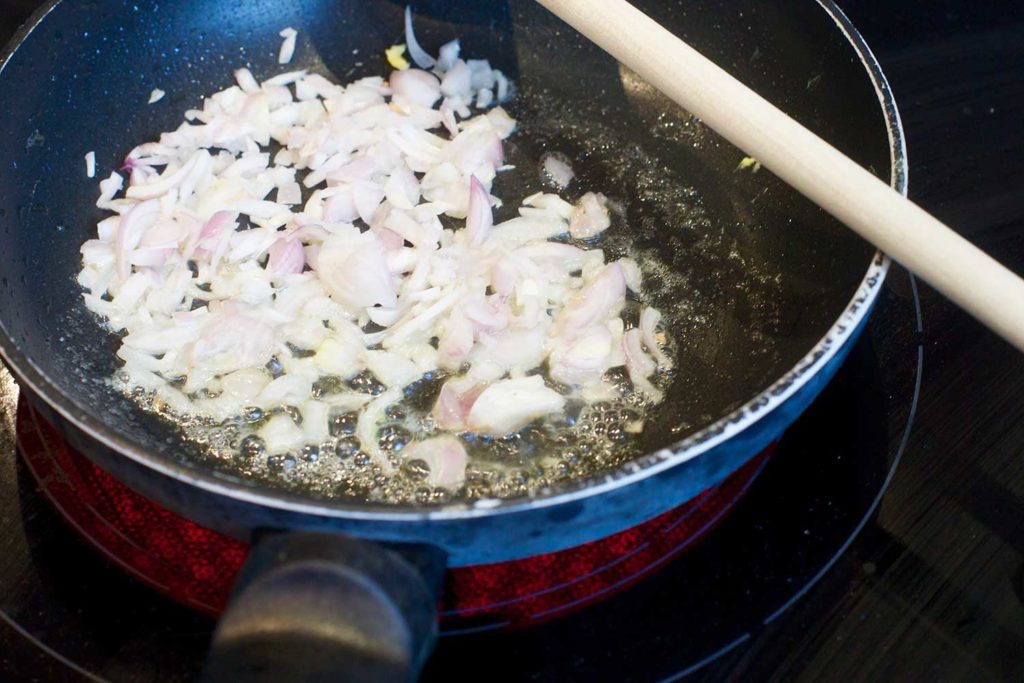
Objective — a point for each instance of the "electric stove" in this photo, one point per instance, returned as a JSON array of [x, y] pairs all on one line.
[[882, 539]]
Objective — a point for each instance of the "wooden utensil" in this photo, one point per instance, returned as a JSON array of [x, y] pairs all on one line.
[[969, 277]]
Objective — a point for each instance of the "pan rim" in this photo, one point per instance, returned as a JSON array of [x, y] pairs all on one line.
[[846, 325]]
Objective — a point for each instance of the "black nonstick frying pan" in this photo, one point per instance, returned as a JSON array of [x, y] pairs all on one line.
[[775, 290]]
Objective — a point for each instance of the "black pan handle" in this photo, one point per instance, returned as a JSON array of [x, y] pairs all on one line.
[[310, 607]]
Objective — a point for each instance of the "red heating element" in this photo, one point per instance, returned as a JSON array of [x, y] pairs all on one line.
[[197, 566]]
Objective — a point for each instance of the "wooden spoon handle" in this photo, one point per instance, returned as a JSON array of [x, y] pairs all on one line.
[[897, 226]]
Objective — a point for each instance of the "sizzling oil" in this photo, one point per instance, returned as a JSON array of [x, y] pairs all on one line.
[[586, 439]]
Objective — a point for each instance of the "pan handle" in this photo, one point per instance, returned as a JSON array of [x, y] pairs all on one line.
[[311, 607]]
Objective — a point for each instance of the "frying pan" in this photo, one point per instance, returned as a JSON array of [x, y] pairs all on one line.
[[769, 292]]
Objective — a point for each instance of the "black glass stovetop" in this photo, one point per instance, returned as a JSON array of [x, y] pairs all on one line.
[[883, 541]]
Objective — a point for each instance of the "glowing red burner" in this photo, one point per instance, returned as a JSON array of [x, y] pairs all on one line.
[[197, 566]]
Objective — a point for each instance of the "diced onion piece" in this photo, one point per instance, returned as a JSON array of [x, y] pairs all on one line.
[[134, 223], [479, 219], [523, 230], [315, 427], [446, 458], [393, 369], [590, 216], [448, 117], [231, 343], [454, 402], [280, 434], [286, 257], [511, 404], [458, 81], [631, 272], [649, 320], [355, 273], [418, 54], [245, 80], [596, 302], [335, 357], [557, 169], [289, 193], [287, 50], [586, 359], [456, 342], [244, 386], [415, 87], [447, 55], [289, 389], [108, 189], [639, 365]]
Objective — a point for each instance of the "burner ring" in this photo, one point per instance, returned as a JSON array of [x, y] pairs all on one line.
[[197, 566]]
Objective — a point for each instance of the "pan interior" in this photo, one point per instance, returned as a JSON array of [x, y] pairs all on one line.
[[753, 275]]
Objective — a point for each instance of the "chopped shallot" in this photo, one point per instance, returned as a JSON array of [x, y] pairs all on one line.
[[455, 401], [286, 257], [365, 245], [287, 46], [479, 219], [419, 56], [510, 404], [448, 54], [639, 365], [649, 320], [445, 457], [415, 87], [557, 169], [589, 216]]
